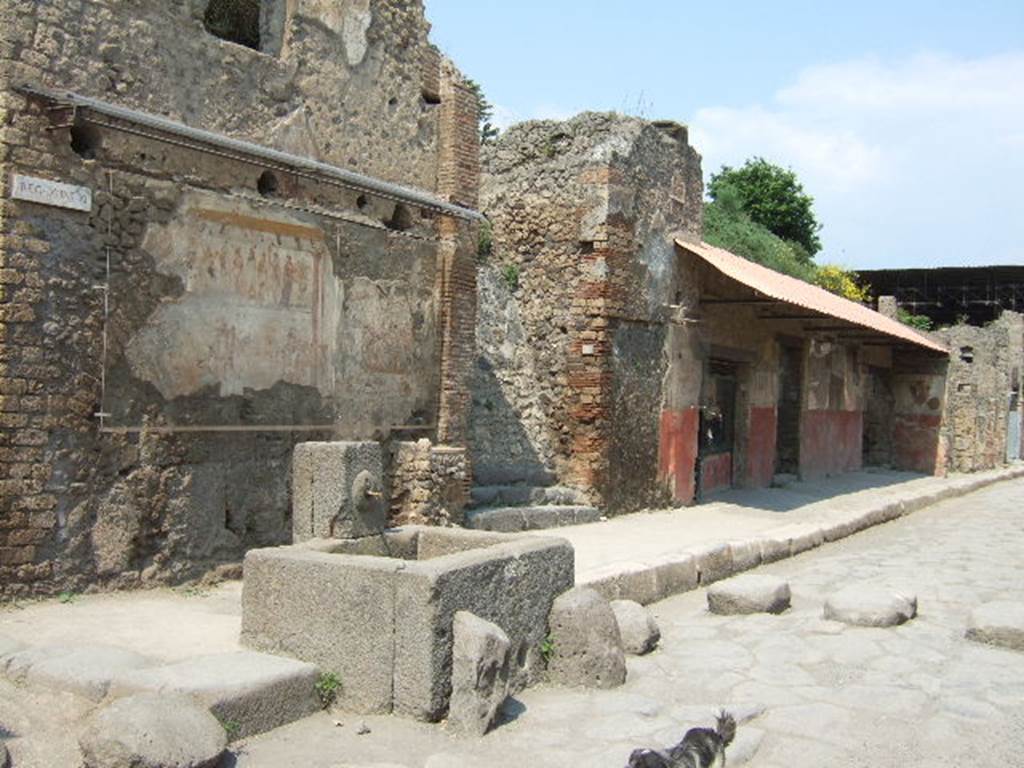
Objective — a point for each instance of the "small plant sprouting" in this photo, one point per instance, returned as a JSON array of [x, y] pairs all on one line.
[[547, 648], [327, 687], [485, 241], [231, 727], [511, 275], [67, 597]]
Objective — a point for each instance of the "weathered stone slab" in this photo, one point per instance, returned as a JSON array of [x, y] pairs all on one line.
[[628, 581], [775, 547], [639, 631], [152, 731], [530, 518], [587, 646], [512, 584], [749, 593], [255, 690], [745, 555], [480, 674], [674, 575], [998, 623], [86, 671], [870, 606], [336, 490], [714, 563], [344, 605]]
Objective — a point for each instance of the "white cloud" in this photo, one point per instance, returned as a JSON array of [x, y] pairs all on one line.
[[907, 160], [833, 156]]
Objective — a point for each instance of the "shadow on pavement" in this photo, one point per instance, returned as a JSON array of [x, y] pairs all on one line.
[[801, 493]]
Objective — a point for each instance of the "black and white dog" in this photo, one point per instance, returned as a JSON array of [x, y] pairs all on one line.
[[700, 748]]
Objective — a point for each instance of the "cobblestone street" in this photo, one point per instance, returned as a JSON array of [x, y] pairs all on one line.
[[915, 695]]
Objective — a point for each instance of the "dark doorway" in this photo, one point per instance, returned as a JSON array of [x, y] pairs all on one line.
[[790, 397], [717, 428]]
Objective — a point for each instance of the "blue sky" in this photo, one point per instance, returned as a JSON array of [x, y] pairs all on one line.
[[904, 120]]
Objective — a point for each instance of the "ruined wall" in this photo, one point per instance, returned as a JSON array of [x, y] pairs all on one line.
[[978, 391], [574, 337], [163, 353]]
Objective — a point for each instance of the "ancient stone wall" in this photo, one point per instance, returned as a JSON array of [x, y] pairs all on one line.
[[429, 484], [979, 383], [161, 354], [574, 301]]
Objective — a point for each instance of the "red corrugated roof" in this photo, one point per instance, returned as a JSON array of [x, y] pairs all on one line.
[[775, 285]]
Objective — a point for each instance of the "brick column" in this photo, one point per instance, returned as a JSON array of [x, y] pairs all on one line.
[[458, 181]]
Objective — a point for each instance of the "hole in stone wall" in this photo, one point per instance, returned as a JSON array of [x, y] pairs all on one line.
[[430, 97], [586, 246], [237, 21], [362, 202], [400, 220], [85, 141], [267, 184], [967, 354]]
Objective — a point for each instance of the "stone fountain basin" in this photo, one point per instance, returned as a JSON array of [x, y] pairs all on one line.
[[377, 611]]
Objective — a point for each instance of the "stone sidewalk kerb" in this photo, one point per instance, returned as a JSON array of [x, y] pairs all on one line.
[[647, 557]]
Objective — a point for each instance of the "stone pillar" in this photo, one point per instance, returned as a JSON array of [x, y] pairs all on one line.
[[887, 306]]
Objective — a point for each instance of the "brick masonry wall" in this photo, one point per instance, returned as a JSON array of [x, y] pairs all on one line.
[[458, 181], [583, 217], [81, 509], [978, 384]]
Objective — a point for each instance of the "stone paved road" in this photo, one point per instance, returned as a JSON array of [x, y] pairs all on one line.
[[835, 696]]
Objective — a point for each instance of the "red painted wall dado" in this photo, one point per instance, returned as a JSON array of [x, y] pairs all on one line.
[[715, 473], [915, 442], [760, 466], [677, 452], [830, 442]]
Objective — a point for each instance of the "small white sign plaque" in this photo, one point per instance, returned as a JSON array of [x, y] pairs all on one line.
[[48, 192]]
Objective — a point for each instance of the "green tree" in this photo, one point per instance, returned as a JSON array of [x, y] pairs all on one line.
[[485, 113], [772, 197], [730, 223], [728, 227]]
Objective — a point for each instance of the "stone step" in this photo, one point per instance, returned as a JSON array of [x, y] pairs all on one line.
[[513, 519], [84, 670], [248, 692], [524, 495]]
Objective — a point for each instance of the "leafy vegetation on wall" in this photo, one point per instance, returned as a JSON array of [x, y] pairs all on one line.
[[761, 212]]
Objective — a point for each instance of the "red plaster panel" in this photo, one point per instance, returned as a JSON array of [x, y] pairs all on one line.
[[830, 442], [760, 466], [915, 440], [715, 473], [677, 454]]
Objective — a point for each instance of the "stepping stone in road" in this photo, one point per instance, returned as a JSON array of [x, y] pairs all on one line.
[[750, 593], [865, 605], [998, 623]]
